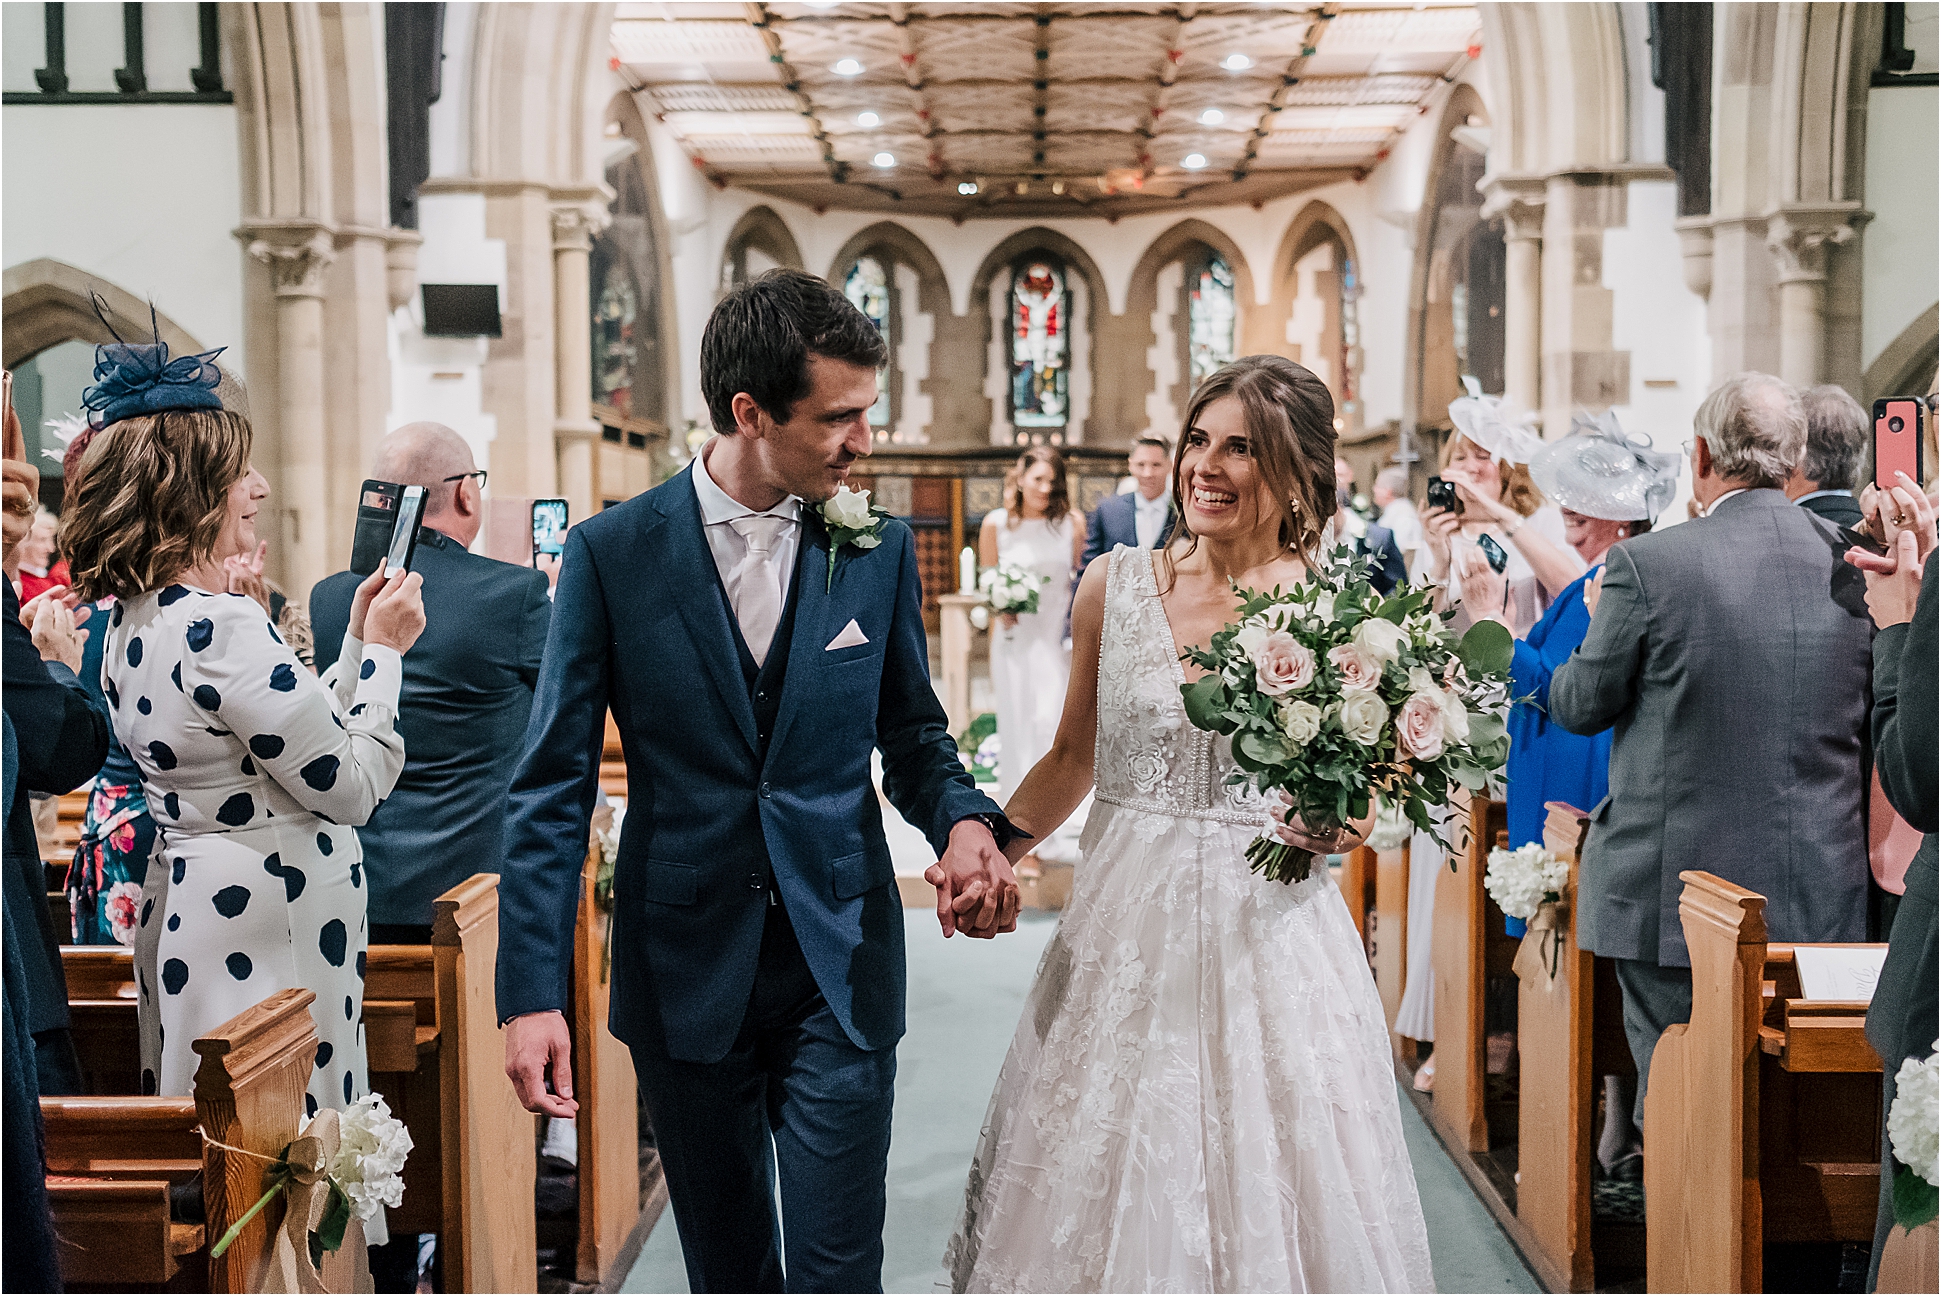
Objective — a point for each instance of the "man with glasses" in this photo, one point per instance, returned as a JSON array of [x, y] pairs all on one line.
[[468, 688]]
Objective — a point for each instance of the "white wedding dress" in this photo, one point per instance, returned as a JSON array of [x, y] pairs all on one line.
[[1200, 1095], [1031, 662]]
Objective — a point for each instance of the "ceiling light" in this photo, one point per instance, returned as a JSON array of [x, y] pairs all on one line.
[[868, 120], [1212, 117], [1235, 63], [967, 188], [850, 67], [1193, 161], [885, 160]]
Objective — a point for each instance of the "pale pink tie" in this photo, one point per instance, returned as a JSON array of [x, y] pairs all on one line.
[[757, 583]]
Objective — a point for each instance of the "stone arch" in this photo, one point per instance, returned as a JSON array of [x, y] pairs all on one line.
[[1558, 88], [949, 369], [761, 228], [1142, 304], [1315, 224], [1908, 363], [46, 302], [538, 92], [1108, 405], [1424, 392]]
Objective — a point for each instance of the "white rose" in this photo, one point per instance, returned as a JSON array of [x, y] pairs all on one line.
[[1421, 680], [1251, 637], [1455, 718], [1379, 638], [1363, 716], [1300, 721], [848, 509]]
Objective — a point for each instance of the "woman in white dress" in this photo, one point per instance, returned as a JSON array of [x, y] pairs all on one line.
[[1037, 529], [254, 769], [1200, 1095], [1487, 459]]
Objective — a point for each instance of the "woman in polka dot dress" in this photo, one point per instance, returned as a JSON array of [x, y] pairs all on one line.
[[254, 769]]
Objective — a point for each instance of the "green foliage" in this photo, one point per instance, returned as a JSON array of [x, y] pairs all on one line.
[[1915, 1199]]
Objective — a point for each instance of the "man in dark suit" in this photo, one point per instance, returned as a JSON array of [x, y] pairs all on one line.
[[1371, 540], [468, 685], [1744, 632], [757, 635], [1836, 446], [1143, 516]]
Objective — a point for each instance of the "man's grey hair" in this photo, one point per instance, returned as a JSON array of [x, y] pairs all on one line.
[[1755, 427], [1836, 437], [1394, 479]]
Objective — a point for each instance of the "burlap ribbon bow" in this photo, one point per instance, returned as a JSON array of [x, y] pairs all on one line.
[[1537, 957], [291, 1269]]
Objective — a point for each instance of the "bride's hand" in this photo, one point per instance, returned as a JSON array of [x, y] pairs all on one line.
[[1009, 620], [1288, 827]]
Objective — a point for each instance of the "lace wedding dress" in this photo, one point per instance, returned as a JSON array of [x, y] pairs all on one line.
[[1200, 1095]]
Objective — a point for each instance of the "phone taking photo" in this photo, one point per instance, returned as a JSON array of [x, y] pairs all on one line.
[[404, 532], [548, 528], [1899, 422]]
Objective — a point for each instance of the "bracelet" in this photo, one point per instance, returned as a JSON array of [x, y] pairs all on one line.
[[1509, 532]]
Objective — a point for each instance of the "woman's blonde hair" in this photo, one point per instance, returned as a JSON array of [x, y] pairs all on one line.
[[153, 496], [1061, 500], [1289, 416], [1519, 489]]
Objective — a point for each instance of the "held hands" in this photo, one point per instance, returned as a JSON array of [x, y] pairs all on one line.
[[389, 611], [538, 1049], [54, 622], [1893, 579], [977, 893]]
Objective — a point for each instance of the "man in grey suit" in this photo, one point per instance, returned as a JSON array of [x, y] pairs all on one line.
[[1732, 656]]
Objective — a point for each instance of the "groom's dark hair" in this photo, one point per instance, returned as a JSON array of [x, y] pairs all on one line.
[[761, 335]]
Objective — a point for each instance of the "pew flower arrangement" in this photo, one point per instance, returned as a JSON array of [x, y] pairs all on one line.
[[1527, 883], [1914, 1127], [1338, 696], [609, 839], [355, 1157]]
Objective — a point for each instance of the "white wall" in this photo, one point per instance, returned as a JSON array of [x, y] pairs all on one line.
[[1162, 357], [145, 196], [436, 378], [917, 328], [1900, 261]]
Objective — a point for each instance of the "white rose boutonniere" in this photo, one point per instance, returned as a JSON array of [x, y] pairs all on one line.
[[851, 520]]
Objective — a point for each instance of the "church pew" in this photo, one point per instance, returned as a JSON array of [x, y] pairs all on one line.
[[1356, 882], [1388, 934], [603, 1082], [1762, 1122], [1468, 945], [613, 762], [112, 1160]]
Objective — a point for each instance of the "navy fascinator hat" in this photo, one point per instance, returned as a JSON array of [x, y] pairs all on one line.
[[136, 378]]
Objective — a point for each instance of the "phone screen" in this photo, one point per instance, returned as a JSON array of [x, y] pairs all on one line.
[[404, 534], [1498, 558], [548, 526], [1897, 439]]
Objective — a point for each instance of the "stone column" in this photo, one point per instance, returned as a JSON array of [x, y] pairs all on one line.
[[298, 253], [1798, 236], [576, 220], [1520, 201]]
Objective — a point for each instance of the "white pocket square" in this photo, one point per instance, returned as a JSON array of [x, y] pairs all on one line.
[[852, 635]]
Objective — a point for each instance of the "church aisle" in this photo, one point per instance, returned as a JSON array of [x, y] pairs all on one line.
[[965, 997]]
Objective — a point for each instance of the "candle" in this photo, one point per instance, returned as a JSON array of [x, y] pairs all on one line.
[[967, 571]]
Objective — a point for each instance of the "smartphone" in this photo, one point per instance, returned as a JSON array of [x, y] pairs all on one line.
[[548, 527], [404, 532], [1898, 424], [1442, 495], [1498, 559], [377, 517]]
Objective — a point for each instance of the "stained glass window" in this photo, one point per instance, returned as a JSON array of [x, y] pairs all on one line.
[[1350, 333], [1210, 317], [615, 357], [1040, 346], [868, 288]]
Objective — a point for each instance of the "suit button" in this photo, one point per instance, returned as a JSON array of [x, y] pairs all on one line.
[[761, 697], [754, 882], [764, 791]]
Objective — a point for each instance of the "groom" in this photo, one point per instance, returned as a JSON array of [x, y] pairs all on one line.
[[758, 969]]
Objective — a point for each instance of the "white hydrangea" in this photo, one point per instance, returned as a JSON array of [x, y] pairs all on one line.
[[1520, 880], [369, 1165], [610, 838], [1914, 1122]]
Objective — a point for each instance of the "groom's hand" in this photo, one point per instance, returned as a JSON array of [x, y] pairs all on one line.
[[537, 1046], [977, 893]]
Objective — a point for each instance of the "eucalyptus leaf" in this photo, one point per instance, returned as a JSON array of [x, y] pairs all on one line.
[[1915, 1199], [1486, 649], [1207, 700]]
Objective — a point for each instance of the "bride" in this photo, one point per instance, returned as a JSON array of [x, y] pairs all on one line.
[[1200, 1095]]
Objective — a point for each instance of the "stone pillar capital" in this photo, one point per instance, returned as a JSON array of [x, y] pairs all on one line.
[[1798, 235], [401, 265], [1695, 244], [1519, 200], [296, 251], [578, 215]]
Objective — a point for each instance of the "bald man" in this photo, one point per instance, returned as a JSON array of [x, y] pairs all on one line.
[[468, 685]]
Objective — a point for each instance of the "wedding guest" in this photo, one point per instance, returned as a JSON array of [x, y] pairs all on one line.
[[38, 561], [1141, 517], [1391, 492], [255, 771], [1371, 540], [1731, 655], [63, 739], [1030, 656], [1902, 1019], [1837, 432]]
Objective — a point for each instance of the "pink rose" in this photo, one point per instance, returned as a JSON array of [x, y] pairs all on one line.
[[119, 905], [1280, 664], [1358, 668], [1419, 728]]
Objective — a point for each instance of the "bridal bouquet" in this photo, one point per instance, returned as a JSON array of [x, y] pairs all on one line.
[[1008, 587], [1334, 694]]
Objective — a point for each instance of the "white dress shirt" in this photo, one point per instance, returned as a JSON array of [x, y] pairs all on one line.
[[1149, 518], [718, 509], [1714, 506]]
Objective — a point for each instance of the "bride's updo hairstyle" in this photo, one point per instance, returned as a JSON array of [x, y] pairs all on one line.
[[1289, 415]]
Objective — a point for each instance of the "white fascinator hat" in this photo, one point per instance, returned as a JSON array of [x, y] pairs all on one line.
[[1602, 471], [1501, 429]]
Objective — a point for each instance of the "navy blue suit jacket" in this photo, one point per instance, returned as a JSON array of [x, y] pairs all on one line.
[[1386, 569], [464, 706], [640, 625], [1115, 522]]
